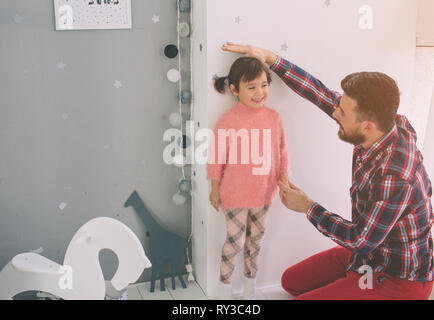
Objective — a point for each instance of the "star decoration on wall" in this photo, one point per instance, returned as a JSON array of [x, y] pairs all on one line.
[[156, 18], [18, 18], [237, 19], [62, 206], [61, 65], [284, 47], [328, 3], [117, 84]]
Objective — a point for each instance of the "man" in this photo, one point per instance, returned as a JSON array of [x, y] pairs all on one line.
[[389, 235]]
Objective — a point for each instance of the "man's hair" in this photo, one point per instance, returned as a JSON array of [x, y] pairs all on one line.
[[377, 97]]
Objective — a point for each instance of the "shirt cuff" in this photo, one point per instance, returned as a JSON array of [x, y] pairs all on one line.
[[313, 213], [276, 63]]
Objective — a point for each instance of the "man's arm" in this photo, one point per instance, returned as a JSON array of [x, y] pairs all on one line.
[[302, 82], [390, 198], [306, 85], [270, 58]]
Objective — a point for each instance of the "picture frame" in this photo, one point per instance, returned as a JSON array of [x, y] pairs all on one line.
[[92, 14]]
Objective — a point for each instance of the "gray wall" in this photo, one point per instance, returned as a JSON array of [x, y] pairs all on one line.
[[69, 135]]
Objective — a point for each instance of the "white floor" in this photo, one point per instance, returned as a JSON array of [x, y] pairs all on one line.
[[193, 292]]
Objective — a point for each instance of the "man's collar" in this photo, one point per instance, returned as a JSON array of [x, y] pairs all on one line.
[[391, 135]]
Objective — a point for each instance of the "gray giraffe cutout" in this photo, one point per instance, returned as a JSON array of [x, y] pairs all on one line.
[[165, 246]]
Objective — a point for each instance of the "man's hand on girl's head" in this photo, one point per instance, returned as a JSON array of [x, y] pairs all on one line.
[[263, 55]]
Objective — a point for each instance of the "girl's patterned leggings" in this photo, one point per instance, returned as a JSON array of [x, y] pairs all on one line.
[[245, 226]]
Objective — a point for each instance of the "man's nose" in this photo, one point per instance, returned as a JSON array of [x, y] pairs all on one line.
[[334, 115]]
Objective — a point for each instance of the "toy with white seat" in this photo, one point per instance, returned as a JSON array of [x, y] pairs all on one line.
[[80, 277], [33, 262]]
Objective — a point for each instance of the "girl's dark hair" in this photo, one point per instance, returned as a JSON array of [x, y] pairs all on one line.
[[245, 69]]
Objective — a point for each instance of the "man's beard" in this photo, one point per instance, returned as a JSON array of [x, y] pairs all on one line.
[[353, 138]]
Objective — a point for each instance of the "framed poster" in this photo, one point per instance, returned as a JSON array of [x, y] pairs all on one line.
[[92, 14]]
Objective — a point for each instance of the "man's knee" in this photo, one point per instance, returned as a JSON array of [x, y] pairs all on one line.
[[289, 282]]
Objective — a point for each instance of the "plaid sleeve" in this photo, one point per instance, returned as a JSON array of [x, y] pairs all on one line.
[[389, 198], [306, 85]]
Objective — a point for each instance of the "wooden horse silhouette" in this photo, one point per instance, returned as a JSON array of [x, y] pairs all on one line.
[[31, 271], [164, 245]]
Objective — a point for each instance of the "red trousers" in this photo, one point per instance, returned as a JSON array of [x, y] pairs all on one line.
[[324, 277]]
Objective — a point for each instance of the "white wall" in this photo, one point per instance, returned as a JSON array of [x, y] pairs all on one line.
[[425, 23], [327, 42], [423, 80], [199, 183], [428, 149], [423, 83], [423, 87]]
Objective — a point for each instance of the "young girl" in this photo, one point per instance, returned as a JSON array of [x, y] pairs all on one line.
[[243, 182]]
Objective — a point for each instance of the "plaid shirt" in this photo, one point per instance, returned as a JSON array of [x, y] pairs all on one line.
[[390, 194]]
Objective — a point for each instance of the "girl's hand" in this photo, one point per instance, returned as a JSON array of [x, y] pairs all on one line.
[[214, 198], [283, 178]]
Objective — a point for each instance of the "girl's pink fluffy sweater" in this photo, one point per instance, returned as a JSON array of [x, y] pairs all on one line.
[[239, 187]]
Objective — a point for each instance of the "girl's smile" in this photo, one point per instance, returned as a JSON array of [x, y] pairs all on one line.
[[253, 93]]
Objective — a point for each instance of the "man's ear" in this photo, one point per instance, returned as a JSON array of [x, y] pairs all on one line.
[[369, 125], [234, 90]]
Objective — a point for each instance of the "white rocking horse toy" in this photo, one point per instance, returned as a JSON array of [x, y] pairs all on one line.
[[80, 277]]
